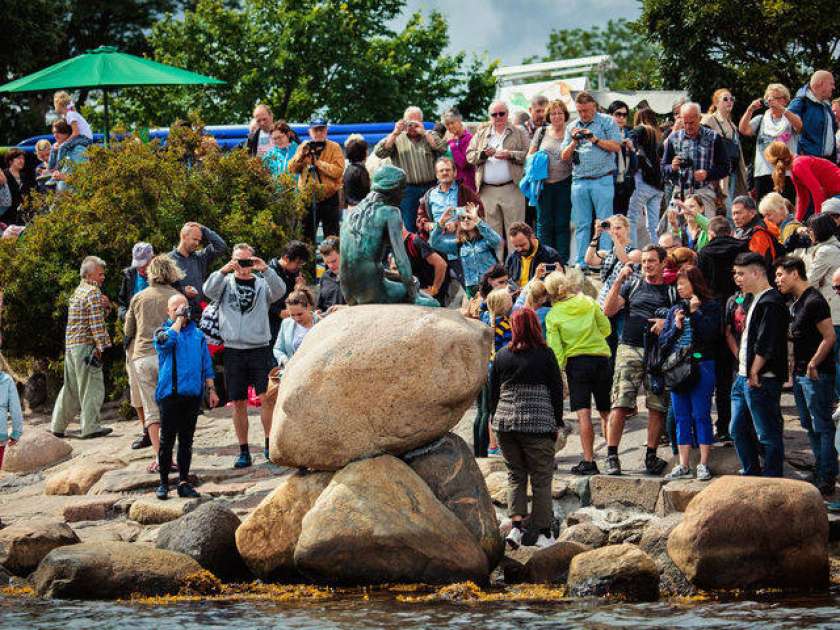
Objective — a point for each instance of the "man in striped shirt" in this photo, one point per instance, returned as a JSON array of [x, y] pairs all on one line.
[[86, 338], [414, 150]]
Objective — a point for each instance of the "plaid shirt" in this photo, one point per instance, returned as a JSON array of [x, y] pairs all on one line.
[[86, 318]]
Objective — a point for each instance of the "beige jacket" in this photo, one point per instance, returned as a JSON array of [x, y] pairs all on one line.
[[330, 170], [146, 312], [821, 261], [728, 130], [516, 141]]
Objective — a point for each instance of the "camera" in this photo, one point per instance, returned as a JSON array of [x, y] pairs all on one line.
[[581, 135], [549, 267], [245, 262], [183, 311], [605, 225], [765, 102], [460, 213], [685, 160], [93, 360]]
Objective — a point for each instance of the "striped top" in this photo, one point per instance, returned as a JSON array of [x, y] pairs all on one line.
[[86, 318], [415, 157]]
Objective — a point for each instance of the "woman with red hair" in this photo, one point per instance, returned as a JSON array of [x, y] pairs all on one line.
[[526, 403], [815, 179]]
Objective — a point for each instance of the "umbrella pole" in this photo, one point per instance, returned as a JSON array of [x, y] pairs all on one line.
[[107, 124]]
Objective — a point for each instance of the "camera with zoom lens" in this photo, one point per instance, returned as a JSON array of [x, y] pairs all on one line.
[[582, 135], [685, 161]]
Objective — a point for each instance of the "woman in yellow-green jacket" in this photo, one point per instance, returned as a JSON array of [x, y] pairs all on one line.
[[577, 331]]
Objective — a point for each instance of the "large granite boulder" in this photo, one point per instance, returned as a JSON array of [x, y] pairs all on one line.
[[377, 379], [80, 477], [751, 532], [267, 538], [376, 522], [622, 571], [36, 449], [110, 570], [207, 535], [449, 469], [25, 543]]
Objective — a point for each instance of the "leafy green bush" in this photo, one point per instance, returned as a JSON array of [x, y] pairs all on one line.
[[128, 193]]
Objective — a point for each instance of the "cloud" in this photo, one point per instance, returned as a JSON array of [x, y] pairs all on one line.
[[512, 31]]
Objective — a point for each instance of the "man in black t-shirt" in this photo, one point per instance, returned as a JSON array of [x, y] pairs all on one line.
[[813, 366], [645, 302]]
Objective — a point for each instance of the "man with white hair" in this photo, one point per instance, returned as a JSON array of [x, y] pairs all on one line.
[[86, 338], [813, 105], [259, 138], [498, 151], [414, 150], [695, 159]]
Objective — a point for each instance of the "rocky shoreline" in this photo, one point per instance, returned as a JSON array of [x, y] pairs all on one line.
[[79, 519]]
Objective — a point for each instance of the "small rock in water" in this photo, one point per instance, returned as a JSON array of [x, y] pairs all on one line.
[[623, 571]]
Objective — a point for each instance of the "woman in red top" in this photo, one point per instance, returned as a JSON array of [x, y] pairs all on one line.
[[815, 179]]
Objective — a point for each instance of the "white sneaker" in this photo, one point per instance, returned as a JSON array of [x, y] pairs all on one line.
[[514, 538], [703, 472], [544, 541], [679, 472]]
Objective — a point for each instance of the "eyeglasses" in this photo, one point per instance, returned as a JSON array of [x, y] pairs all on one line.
[[620, 114], [836, 287], [498, 114], [728, 98]]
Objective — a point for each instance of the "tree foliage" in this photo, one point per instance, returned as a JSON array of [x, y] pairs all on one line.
[[130, 193], [335, 57], [635, 59], [707, 44]]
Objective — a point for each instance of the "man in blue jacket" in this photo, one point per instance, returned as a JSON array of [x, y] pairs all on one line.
[[185, 370], [813, 105]]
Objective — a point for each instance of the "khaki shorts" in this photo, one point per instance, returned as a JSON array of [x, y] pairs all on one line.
[[628, 379], [133, 385], [146, 374]]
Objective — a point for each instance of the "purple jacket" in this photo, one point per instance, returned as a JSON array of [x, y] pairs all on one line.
[[464, 171]]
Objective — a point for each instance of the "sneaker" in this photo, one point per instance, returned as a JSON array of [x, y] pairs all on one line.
[[186, 491], [494, 452], [243, 461], [144, 441], [613, 465], [654, 465], [162, 492], [514, 538], [101, 433], [703, 472], [723, 437], [585, 468], [679, 472], [265, 453], [544, 541], [58, 434]]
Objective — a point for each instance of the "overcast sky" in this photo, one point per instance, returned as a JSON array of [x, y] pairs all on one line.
[[512, 31]]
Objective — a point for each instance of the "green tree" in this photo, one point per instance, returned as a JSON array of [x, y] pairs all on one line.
[[478, 89], [707, 44], [635, 59], [122, 195], [336, 57]]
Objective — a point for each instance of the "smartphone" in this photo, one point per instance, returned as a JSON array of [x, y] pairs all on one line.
[[549, 267], [246, 262]]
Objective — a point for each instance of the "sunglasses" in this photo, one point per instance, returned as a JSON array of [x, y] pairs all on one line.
[[498, 114], [728, 99], [836, 287], [620, 114]]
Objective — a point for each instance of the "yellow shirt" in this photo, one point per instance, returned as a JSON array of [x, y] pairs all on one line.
[[524, 274]]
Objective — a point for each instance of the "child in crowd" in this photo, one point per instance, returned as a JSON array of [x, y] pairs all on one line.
[[499, 307], [9, 409], [535, 297], [474, 242]]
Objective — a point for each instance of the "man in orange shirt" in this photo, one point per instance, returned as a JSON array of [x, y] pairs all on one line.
[[749, 225]]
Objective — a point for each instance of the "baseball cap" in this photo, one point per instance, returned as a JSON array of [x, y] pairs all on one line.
[[318, 121], [831, 206], [141, 254]]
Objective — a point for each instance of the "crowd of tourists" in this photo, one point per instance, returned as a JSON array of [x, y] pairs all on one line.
[[609, 259]]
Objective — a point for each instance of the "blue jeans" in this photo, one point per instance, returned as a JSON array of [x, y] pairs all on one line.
[[649, 199], [591, 197], [554, 211], [410, 202], [814, 400], [762, 403], [693, 409]]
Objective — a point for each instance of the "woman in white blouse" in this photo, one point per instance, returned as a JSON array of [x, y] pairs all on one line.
[[301, 319]]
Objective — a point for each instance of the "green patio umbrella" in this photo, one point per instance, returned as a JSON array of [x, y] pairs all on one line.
[[105, 68]]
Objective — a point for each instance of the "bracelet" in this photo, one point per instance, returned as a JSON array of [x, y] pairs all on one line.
[[593, 243]]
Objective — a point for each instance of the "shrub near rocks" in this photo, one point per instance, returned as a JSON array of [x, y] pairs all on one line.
[[752, 532]]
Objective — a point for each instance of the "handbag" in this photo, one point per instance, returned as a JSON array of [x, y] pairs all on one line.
[[270, 396], [680, 370], [209, 324]]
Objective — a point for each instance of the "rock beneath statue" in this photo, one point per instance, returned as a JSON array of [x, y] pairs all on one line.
[[378, 522], [377, 379], [266, 540], [753, 532], [449, 469]]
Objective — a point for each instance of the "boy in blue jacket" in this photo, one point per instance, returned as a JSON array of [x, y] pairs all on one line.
[[185, 370]]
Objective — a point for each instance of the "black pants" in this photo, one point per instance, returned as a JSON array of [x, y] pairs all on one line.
[[178, 415], [764, 184], [326, 213], [724, 367]]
